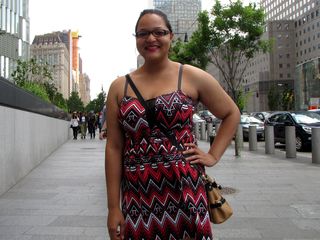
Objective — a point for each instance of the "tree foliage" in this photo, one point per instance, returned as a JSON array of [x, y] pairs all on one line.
[[31, 71], [37, 78], [235, 33], [195, 51], [229, 37], [97, 104], [33, 77], [280, 99], [74, 103]]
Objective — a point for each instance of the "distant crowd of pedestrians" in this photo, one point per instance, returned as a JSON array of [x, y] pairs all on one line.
[[86, 123]]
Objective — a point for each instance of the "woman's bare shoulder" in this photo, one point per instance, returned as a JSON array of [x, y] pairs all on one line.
[[116, 89], [196, 73]]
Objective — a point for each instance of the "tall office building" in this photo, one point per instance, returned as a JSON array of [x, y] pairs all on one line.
[[303, 46], [182, 15], [75, 62], [61, 51], [14, 34], [54, 49], [84, 88]]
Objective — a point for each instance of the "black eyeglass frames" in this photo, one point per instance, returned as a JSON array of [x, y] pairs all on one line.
[[158, 33]]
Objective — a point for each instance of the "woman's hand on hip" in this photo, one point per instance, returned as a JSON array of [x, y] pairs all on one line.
[[198, 156]]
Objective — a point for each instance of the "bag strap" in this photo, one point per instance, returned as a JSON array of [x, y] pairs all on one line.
[[136, 91], [149, 111]]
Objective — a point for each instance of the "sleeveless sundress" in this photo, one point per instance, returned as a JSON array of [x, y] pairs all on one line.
[[163, 196]]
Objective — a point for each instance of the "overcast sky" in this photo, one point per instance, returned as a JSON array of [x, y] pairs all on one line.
[[107, 46]]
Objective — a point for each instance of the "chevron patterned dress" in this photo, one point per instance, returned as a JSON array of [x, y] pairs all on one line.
[[163, 196]]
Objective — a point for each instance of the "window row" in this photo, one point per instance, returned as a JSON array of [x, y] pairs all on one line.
[[309, 50]]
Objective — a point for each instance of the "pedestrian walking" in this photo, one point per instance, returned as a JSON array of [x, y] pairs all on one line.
[[92, 125], [74, 124], [83, 123], [153, 189]]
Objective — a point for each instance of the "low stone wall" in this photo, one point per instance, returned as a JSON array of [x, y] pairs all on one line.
[[26, 137]]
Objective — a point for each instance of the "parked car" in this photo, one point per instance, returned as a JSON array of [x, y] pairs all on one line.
[[261, 115], [303, 121], [317, 111], [246, 121], [197, 119], [206, 115]]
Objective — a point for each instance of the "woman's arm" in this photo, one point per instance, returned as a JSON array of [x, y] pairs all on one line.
[[113, 163], [220, 104]]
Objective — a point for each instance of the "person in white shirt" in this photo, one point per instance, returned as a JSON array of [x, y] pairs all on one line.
[[74, 124]]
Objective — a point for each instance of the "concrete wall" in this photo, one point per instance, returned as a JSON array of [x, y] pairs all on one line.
[[26, 139]]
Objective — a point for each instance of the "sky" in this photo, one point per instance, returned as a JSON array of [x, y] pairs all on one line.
[[107, 45]]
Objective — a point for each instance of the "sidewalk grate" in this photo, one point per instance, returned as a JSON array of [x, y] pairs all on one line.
[[88, 148]]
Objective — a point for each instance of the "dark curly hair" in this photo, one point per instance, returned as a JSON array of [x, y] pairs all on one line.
[[157, 12]]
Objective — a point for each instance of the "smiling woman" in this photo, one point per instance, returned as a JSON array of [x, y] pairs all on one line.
[[153, 190]]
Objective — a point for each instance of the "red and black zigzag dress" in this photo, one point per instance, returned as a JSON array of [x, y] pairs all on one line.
[[163, 197]]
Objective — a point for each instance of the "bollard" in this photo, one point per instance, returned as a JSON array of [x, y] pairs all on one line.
[[315, 142], [238, 141], [203, 131], [290, 133], [253, 145], [269, 139], [240, 134], [196, 130], [209, 132]]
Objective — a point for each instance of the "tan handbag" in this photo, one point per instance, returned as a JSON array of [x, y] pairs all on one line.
[[219, 209]]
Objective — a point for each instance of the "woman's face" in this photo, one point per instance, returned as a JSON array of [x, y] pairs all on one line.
[[153, 38]]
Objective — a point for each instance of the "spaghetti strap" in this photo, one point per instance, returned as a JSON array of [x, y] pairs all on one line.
[[125, 87], [180, 76]]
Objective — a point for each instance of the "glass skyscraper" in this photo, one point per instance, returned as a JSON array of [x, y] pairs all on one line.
[[14, 34]]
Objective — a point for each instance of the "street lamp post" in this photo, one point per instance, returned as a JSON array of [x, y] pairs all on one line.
[[185, 35]]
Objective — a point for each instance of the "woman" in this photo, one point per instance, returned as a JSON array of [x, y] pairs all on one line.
[[74, 124], [162, 194]]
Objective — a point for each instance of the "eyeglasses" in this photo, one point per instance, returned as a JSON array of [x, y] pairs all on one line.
[[157, 33]]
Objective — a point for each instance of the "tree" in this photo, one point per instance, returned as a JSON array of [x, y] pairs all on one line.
[[59, 101], [273, 98], [31, 71], [235, 33], [36, 77], [97, 104], [74, 103], [195, 51], [280, 99], [288, 99]]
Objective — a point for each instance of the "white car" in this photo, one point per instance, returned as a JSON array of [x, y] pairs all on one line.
[[197, 119]]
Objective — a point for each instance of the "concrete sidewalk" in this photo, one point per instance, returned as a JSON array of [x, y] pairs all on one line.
[[64, 198]]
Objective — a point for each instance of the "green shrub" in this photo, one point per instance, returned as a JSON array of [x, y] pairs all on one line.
[[36, 89]]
